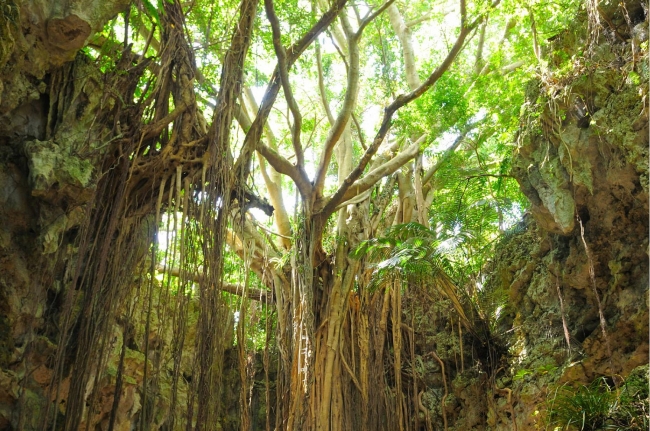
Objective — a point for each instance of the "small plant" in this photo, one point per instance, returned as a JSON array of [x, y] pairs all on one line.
[[600, 406], [521, 374]]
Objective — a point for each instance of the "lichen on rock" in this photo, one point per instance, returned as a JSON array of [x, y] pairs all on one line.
[[54, 175]]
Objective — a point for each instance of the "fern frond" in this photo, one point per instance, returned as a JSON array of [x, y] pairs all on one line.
[[411, 254]]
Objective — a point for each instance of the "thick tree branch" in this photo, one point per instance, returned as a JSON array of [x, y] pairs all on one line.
[[272, 179], [286, 85], [231, 85], [404, 34], [285, 167], [265, 296], [350, 100], [463, 13], [253, 136], [372, 177], [153, 130], [275, 196], [398, 103], [416, 21]]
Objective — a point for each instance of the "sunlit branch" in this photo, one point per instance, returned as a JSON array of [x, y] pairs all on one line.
[[404, 36], [242, 117], [463, 13], [362, 140], [478, 63], [486, 67], [265, 296], [275, 196], [416, 21], [423, 218], [272, 180], [335, 32], [447, 154], [244, 231], [512, 67], [533, 28], [252, 139], [372, 17], [270, 232], [506, 34], [398, 103], [355, 200], [249, 98], [286, 85], [275, 159], [285, 167], [333, 37], [372, 177], [357, 15], [321, 85], [350, 100], [325, 21], [489, 176]]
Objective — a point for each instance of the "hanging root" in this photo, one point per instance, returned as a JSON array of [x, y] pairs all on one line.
[[423, 409], [444, 382], [567, 337], [508, 393], [592, 277]]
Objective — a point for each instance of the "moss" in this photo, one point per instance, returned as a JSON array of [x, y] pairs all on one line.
[[8, 23], [637, 382]]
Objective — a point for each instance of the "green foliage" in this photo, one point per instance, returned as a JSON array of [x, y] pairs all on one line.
[[8, 12], [152, 10], [439, 109], [408, 251], [599, 406], [474, 202], [520, 374], [540, 371], [410, 254]]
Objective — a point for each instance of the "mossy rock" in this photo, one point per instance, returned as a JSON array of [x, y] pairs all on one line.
[[637, 382]]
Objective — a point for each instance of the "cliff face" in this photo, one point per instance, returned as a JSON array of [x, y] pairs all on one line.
[[580, 270], [46, 105]]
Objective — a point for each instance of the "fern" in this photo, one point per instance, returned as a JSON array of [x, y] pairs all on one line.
[[410, 253]]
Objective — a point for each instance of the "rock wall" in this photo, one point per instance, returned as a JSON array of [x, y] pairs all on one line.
[[573, 275], [39, 36], [582, 160]]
